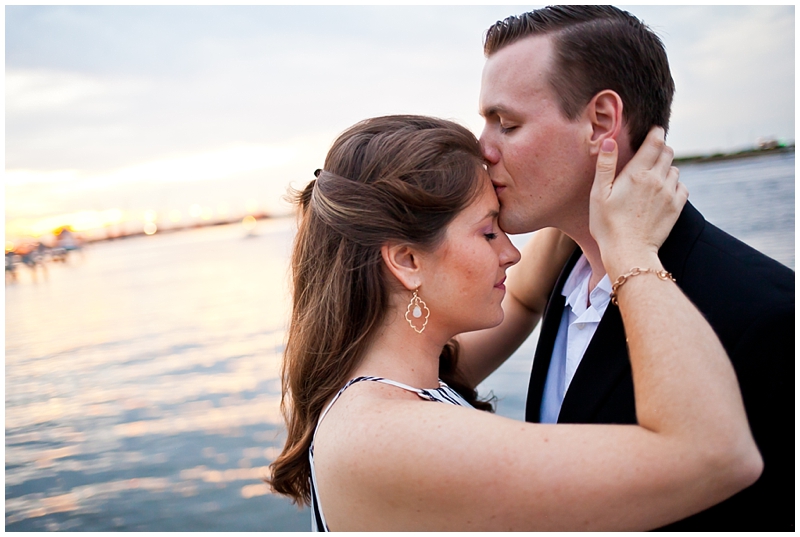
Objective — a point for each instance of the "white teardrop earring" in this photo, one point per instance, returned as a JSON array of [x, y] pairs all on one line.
[[417, 309]]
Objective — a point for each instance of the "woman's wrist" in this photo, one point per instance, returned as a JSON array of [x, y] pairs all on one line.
[[621, 261]]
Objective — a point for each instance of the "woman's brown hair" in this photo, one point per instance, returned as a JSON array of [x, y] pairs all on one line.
[[392, 178]]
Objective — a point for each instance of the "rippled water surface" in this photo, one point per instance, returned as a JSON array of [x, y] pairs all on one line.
[[142, 382]]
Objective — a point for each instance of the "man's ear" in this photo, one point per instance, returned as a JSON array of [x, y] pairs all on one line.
[[404, 263], [605, 114]]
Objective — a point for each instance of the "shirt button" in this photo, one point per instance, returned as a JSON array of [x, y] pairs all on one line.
[[581, 326]]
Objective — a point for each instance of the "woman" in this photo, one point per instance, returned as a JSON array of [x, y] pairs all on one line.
[[398, 250]]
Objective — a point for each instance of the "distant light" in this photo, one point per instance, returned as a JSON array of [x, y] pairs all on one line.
[[251, 206], [207, 213], [249, 222], [111, 216], [196, 211], [9, 246], [150, 228], [175, 215], [150, 216]]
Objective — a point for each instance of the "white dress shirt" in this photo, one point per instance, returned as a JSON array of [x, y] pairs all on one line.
[[582, 313]]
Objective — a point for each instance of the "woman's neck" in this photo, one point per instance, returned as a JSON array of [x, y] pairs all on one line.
[[399, 353]]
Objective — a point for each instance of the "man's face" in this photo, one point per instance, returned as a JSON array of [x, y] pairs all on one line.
[[539, 161]]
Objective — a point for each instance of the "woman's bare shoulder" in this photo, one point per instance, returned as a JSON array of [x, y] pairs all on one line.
[[433, 466], [362, 412]]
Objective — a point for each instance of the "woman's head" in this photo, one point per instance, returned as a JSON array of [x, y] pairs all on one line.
[[395, 181], [462, 278]]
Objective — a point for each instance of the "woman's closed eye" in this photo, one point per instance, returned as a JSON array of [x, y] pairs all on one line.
[[490, 236]]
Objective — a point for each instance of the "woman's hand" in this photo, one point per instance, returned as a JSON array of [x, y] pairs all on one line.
[[630, 216]]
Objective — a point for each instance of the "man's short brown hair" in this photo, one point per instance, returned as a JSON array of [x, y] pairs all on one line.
[[598, 48]]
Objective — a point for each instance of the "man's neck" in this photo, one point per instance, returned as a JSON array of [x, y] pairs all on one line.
[[590, 249], [579, 227]]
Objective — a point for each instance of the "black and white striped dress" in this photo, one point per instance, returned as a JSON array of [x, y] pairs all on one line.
[[442, 394]]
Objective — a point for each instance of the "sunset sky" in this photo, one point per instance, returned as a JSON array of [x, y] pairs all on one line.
[[118, 113]]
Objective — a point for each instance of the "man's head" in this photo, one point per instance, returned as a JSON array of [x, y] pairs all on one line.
[[605, 74]]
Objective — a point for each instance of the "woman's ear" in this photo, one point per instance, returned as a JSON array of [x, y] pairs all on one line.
[[605, 114], [404, 263]]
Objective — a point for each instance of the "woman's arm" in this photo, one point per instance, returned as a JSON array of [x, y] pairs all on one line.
[[402, 464], [528, 286]]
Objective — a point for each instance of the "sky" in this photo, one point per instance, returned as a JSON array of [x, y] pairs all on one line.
[[168, 113]]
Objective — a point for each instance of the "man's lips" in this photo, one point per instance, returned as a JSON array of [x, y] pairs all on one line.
[[500, 284], [498, 188]]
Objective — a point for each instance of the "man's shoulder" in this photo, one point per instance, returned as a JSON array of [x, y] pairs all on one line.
[[698, 251], [734, 285], [724, 262]]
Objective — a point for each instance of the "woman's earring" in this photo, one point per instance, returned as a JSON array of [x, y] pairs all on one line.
[[417, 309]]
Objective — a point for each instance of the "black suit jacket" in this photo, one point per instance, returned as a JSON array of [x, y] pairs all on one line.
[[748, 299]]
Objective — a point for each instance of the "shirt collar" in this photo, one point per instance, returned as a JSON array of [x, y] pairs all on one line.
[[576, 287]]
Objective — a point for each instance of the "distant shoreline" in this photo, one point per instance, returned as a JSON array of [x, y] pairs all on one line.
[[746, 153], [716, 157], [175, 229]]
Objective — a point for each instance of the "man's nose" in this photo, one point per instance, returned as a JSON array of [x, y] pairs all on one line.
[[489, 150]]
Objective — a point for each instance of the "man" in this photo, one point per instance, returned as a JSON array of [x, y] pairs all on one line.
[[558, 82]]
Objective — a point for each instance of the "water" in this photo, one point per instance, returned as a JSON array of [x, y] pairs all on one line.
[[142, 382], [142, 386]]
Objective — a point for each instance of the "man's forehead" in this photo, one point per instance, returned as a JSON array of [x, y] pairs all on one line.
[[518, 69], [529, 57]]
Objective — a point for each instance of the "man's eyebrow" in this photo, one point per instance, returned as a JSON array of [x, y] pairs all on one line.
[[494, 110]]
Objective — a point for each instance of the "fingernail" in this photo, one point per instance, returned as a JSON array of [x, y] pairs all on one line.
[[607, 146]]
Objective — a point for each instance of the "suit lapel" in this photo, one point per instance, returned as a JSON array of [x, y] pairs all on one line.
[[547, 338]]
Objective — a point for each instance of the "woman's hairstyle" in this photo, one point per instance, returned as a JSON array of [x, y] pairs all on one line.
[[393, 178]]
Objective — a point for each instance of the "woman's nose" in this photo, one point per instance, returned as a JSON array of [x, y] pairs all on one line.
[[509, 255]]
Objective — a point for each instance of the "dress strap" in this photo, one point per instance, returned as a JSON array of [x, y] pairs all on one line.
[[397, 384], [349, 383], [425, 394], [443, 394]]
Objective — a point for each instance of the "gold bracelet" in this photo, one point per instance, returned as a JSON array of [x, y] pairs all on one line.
[[635, 271]]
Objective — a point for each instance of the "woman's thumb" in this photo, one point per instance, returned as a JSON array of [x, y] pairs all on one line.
[[606, 165]]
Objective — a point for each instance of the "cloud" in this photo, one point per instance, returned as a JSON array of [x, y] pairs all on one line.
[[102, 98], [39, 91], [734, 73], [195, 167]]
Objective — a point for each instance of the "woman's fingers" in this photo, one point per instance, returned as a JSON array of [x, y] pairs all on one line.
[[664, 161], [672, 179], [652, 149], [633, 213], [681, 196], [606, 167]]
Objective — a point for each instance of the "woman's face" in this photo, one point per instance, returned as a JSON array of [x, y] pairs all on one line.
[[464, 276]]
